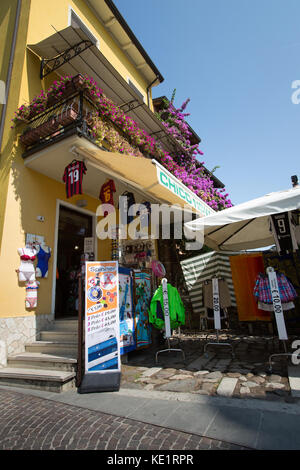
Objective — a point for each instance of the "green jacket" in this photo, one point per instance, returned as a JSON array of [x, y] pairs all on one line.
[[176, 308]]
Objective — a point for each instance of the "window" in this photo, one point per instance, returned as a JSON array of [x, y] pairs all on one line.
[[76, 22], [135, 89]]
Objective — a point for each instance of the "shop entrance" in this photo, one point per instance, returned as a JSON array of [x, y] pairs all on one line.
[[73, 228]]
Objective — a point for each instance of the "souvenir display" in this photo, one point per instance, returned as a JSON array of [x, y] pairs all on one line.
[[127, 326], [263, 296], [31, 294], [176, 308], [142, 281], [26, 270], [106, 194], [72, 177], [158, 268], [43, 256], [137, 253]]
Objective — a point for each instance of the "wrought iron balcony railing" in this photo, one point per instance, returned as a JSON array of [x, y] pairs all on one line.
[[64, 118]]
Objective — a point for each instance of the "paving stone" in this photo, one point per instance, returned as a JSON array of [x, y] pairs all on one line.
[[294, 380], [151, 371], [259, 380], [208, 387], [227, 386], [275, 385], [235, 375], [214, 375], [178, 386], [181, 377], [250, 384], [242, 378], [201, 372], [201, 392], [275, 378], [244, 390]]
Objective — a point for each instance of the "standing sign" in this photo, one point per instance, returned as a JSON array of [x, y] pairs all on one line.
[[216, 303], [102, 328], [277, 306]]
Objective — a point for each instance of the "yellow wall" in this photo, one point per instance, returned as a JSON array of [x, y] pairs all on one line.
[[32, 194], [27, 193]]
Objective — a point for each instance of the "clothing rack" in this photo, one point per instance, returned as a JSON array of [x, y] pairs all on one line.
[[168, 333], [217, 317]]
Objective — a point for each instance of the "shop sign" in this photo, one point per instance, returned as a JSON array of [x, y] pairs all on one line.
[[102, 327], [169, 181]]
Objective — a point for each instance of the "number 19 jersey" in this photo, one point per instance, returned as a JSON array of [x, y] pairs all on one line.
[[73, 177]]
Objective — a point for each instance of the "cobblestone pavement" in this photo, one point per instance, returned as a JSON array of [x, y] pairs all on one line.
[[203, 369], [32, 423]]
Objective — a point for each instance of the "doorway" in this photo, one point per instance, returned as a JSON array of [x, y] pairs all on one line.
[[73, 227]]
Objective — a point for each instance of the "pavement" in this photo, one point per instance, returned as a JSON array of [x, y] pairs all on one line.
[[139, 419], [166, 405]]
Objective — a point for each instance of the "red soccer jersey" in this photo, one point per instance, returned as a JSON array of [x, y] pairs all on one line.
[[73, 177]]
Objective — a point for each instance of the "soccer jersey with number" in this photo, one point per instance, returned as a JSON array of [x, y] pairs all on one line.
[[73, 177]]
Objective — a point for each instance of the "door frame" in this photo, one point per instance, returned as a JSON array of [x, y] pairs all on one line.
[[59, 204]]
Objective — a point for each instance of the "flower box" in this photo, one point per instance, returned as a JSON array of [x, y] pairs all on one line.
[[67, 117], [75, 84]]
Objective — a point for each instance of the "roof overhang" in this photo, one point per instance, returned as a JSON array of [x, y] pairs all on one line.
[[145, 176], [113, 21]]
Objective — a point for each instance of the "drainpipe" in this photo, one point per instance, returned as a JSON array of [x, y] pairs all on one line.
[[9, 72], [148, 89]]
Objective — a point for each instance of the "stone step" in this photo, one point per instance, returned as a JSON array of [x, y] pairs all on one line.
[[59, 336], [47, 380], [65, 325], [32, 360], [57, 348]]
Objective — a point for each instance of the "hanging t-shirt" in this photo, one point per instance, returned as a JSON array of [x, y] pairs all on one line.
[[73, 175], [106, 195], [284, 232]]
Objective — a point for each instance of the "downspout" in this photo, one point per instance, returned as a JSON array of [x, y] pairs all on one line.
[[9, 72], [148, 89]]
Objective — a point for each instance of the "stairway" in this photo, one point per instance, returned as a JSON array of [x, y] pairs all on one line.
[[47, 364]]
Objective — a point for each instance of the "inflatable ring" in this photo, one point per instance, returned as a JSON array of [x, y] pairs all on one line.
[[158, 268]]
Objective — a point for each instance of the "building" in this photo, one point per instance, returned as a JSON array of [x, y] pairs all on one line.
[[43, 46]]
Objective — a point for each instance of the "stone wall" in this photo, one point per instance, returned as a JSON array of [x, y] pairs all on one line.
[[17, 331]]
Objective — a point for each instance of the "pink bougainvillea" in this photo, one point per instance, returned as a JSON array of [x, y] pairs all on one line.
[[123, 134]]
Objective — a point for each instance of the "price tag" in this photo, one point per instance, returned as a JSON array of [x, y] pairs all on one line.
[[277, 306], [216, 303], [166, 307]]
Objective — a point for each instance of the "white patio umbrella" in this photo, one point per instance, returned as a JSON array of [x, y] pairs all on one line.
[[247, 225]]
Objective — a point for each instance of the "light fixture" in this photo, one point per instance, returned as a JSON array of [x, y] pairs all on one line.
[[76, 247]]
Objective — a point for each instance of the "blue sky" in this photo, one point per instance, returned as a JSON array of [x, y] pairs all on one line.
[[236, 60]]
